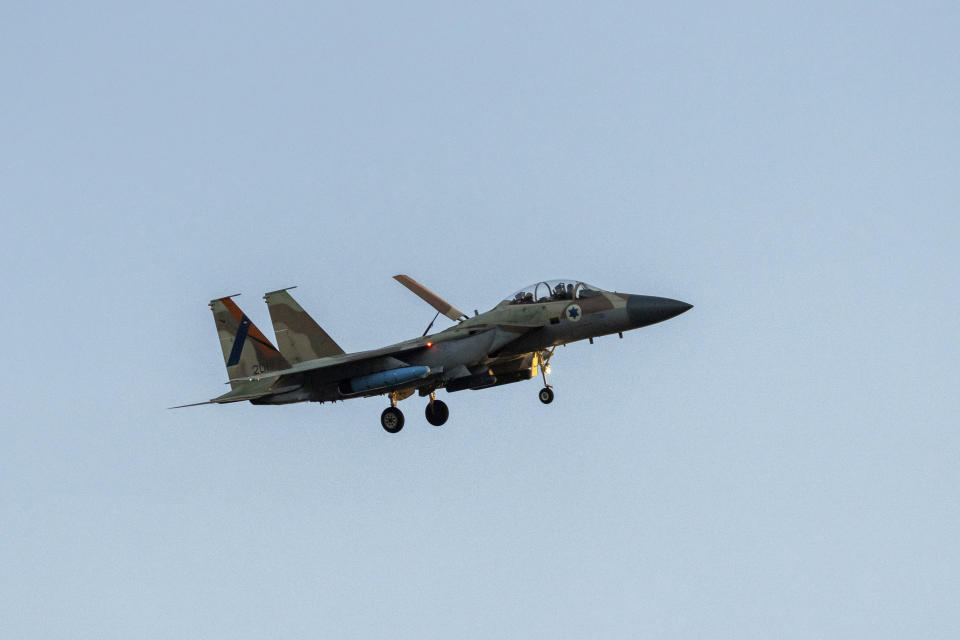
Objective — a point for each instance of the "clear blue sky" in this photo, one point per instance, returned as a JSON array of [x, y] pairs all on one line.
[[782, 461]]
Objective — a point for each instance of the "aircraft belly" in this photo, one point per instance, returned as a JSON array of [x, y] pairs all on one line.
[[333, 392]]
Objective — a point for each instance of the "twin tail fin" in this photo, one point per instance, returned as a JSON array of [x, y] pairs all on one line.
[[247, 353], [299, 337]]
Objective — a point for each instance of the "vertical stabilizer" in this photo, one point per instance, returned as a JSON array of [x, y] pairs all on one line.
[[299, 337], [246, 351]]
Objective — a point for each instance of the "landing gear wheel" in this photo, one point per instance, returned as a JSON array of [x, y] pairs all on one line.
[[546, 395], [391, 419], [437, 412]]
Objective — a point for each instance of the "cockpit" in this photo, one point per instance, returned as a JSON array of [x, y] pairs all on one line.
[[553, 290]]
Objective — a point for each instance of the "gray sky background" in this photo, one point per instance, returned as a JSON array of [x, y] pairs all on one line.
[[782, 461]]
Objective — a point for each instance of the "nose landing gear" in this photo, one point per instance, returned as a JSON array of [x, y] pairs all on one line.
[[546, 394]]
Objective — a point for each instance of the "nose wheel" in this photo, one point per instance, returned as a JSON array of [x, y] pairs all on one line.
[[546, 395]]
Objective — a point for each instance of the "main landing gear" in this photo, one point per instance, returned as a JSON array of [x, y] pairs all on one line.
[[437, 411], [546, 394], [392, 418]]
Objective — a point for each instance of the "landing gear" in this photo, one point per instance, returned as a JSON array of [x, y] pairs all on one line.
[[546, 394], [391, 420], [437, 412]]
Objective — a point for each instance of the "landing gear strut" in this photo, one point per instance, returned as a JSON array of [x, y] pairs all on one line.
[[392, 418], [437, 411], [546, 394]]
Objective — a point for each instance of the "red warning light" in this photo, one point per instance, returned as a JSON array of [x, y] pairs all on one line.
[[429, 344]]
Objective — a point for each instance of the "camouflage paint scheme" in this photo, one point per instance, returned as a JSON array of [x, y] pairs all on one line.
[[299, 337], [507, 344]]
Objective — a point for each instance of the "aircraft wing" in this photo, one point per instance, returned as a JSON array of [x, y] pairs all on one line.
[[328, 369], [252, 390], [351, 364]]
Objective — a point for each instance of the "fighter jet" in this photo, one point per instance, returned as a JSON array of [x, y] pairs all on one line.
[[512, 342]]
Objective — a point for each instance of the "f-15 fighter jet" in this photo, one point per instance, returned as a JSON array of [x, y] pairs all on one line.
[[512, 342]]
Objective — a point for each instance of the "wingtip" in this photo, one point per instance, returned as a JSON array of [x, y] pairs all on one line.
[[194, 404]]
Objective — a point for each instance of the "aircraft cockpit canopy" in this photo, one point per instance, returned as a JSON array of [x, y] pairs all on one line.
[[552, 290]]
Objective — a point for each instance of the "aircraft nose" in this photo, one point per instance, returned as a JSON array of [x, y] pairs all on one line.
[[644, 310]]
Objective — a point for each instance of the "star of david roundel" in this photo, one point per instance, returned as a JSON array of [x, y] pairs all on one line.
[[574, 313]]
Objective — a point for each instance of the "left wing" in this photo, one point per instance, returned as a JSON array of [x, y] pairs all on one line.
[[247, 390], [351, 364]]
